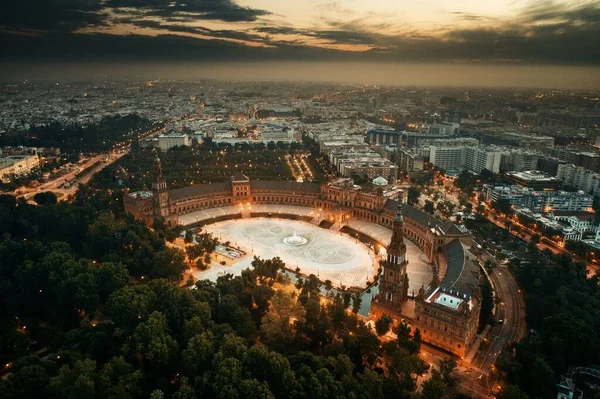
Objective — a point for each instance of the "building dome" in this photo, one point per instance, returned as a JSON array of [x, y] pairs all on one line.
[[380, 181]]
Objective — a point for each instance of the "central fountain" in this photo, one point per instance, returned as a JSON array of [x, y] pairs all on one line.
[[295, 240]]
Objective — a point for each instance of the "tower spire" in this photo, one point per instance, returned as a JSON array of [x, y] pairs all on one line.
[[393, 287], [397, 246], [160, 183]]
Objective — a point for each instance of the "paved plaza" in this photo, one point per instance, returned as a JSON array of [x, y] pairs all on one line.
[[329, 255], [250, 237]]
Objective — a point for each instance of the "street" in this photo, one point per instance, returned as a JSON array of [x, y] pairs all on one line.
[[86, 171]]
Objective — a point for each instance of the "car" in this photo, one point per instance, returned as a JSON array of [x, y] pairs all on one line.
[[500, 321]]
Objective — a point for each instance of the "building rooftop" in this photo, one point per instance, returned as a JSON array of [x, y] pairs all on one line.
[[285, 185], [172, 134], [462, 273], [423, 218], [181, 193], [141, 194], [380, 181], [532, 175], [583, 216], [240, 177], [450, 301]]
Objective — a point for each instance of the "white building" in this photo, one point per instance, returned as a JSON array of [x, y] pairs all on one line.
[[541, 201], [444, 128], [579, 177], [174, 139], [17, 165], [477, 159], [518, 160], [449, 158], [473, 158]]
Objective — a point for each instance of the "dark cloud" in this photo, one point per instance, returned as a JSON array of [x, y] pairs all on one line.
[[60, 15], [282, 30], [547, 10], [59, 46], [546, 32], [223, 10], [214, 33], [465, 16], [70, 15]]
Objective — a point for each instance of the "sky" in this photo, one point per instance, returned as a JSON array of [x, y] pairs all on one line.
[[519, 33]]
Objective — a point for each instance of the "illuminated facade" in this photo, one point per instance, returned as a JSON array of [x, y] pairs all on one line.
[[338, 202], [448, 314]]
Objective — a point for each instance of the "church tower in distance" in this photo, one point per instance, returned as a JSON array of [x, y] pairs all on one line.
[[393, 283]]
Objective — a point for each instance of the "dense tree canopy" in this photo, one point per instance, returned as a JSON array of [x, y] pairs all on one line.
[[99, 136], [562, 302], [78, 320]]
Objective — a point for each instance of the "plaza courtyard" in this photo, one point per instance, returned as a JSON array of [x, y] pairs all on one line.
[[328, 254]]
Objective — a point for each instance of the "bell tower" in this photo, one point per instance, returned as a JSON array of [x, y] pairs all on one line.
[[393, 286], [160, 192]]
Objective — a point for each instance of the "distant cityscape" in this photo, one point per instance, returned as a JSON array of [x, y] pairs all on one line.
[[420, 212]]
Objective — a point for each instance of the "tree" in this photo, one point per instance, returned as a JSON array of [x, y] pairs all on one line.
[[468, 207], [429, 207], [541, 379], [447, 369], [434, 387], [152, 341], [382, 325], [76, 382], [185, 391], [267, 268], [441, 207], [417, 336], [45, 198], [413, 195], [487, 176], [198, 354], [119, 378], [356, 302], [485, 314], [503, 206], [279, 324], [26, 382]]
